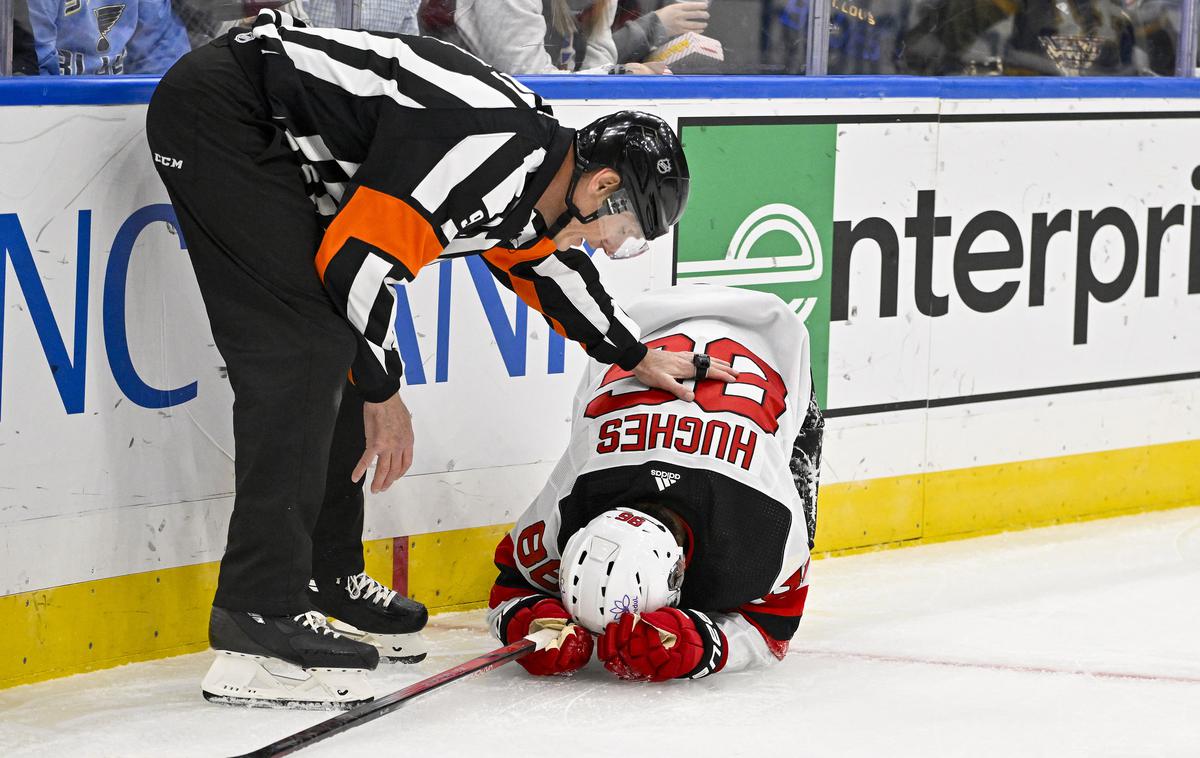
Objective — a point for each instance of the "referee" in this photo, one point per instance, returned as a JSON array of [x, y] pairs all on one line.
[[311, 170]]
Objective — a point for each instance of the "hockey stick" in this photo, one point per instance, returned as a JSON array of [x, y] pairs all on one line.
[[388, 703]]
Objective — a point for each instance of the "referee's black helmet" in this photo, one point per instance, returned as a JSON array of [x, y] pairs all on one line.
[[647, 155]]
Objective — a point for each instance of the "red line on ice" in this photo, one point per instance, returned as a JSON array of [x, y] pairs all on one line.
[[997, 666]]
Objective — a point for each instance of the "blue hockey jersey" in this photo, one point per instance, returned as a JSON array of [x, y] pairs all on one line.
[[106, 36]]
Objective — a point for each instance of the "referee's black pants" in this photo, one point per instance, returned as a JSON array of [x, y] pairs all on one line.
[[252, 235]]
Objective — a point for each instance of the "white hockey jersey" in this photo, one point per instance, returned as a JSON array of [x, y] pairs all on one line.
[[724, 463]]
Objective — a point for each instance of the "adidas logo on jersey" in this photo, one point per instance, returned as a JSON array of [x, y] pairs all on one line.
[[664, 478]]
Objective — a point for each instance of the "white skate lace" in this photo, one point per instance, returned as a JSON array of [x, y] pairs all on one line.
[[364, 586], [316, 622]]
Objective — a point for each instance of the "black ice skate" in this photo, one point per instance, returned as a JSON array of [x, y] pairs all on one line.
[[365, 610], [285, 662]]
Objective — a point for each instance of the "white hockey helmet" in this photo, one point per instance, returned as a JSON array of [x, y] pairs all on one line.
[[623, 561]]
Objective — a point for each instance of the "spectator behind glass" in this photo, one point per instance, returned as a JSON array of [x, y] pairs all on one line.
[[1063, 38], [637, 34], [397, 16], [1157, 35], [867, 36], [24, 55], [205, 20], [74, 37], [533, 36]]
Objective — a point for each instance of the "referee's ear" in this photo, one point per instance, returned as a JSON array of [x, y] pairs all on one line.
[[603, 182], [594, 187]]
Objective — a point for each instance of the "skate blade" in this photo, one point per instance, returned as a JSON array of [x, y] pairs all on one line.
[[283, 705], [259, 681], [397, 648]]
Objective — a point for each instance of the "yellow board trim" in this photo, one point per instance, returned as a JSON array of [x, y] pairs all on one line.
[[107, 622], [849, 514], [1068, 488], [453, 570], [377, 559]]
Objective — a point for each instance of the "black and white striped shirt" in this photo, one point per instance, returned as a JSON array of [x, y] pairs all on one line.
[[412, 150]]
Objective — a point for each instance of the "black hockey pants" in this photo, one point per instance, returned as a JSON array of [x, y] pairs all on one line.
[[252, 235]]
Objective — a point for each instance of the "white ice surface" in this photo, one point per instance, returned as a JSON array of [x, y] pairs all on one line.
[[961, 649]]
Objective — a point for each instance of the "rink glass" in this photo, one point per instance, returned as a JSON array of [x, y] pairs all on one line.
[[879, 37]]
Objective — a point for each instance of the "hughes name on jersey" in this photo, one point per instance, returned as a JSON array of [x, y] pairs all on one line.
[[739, 465]]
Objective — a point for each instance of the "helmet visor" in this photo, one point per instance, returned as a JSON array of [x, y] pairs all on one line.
[[618, 227], [675, 578]]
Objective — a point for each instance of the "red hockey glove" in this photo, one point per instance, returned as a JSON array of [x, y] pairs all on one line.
[[666, 644], [570, 652]]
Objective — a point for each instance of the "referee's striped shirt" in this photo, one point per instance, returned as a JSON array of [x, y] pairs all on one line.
[[413, 150]]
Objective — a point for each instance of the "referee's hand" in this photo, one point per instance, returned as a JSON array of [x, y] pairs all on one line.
[[389, 442], [663, 369]]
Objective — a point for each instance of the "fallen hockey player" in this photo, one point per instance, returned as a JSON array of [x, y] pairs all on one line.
[[678, 532]]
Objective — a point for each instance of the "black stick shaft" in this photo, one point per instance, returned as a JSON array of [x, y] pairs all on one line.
[[388, 703]]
